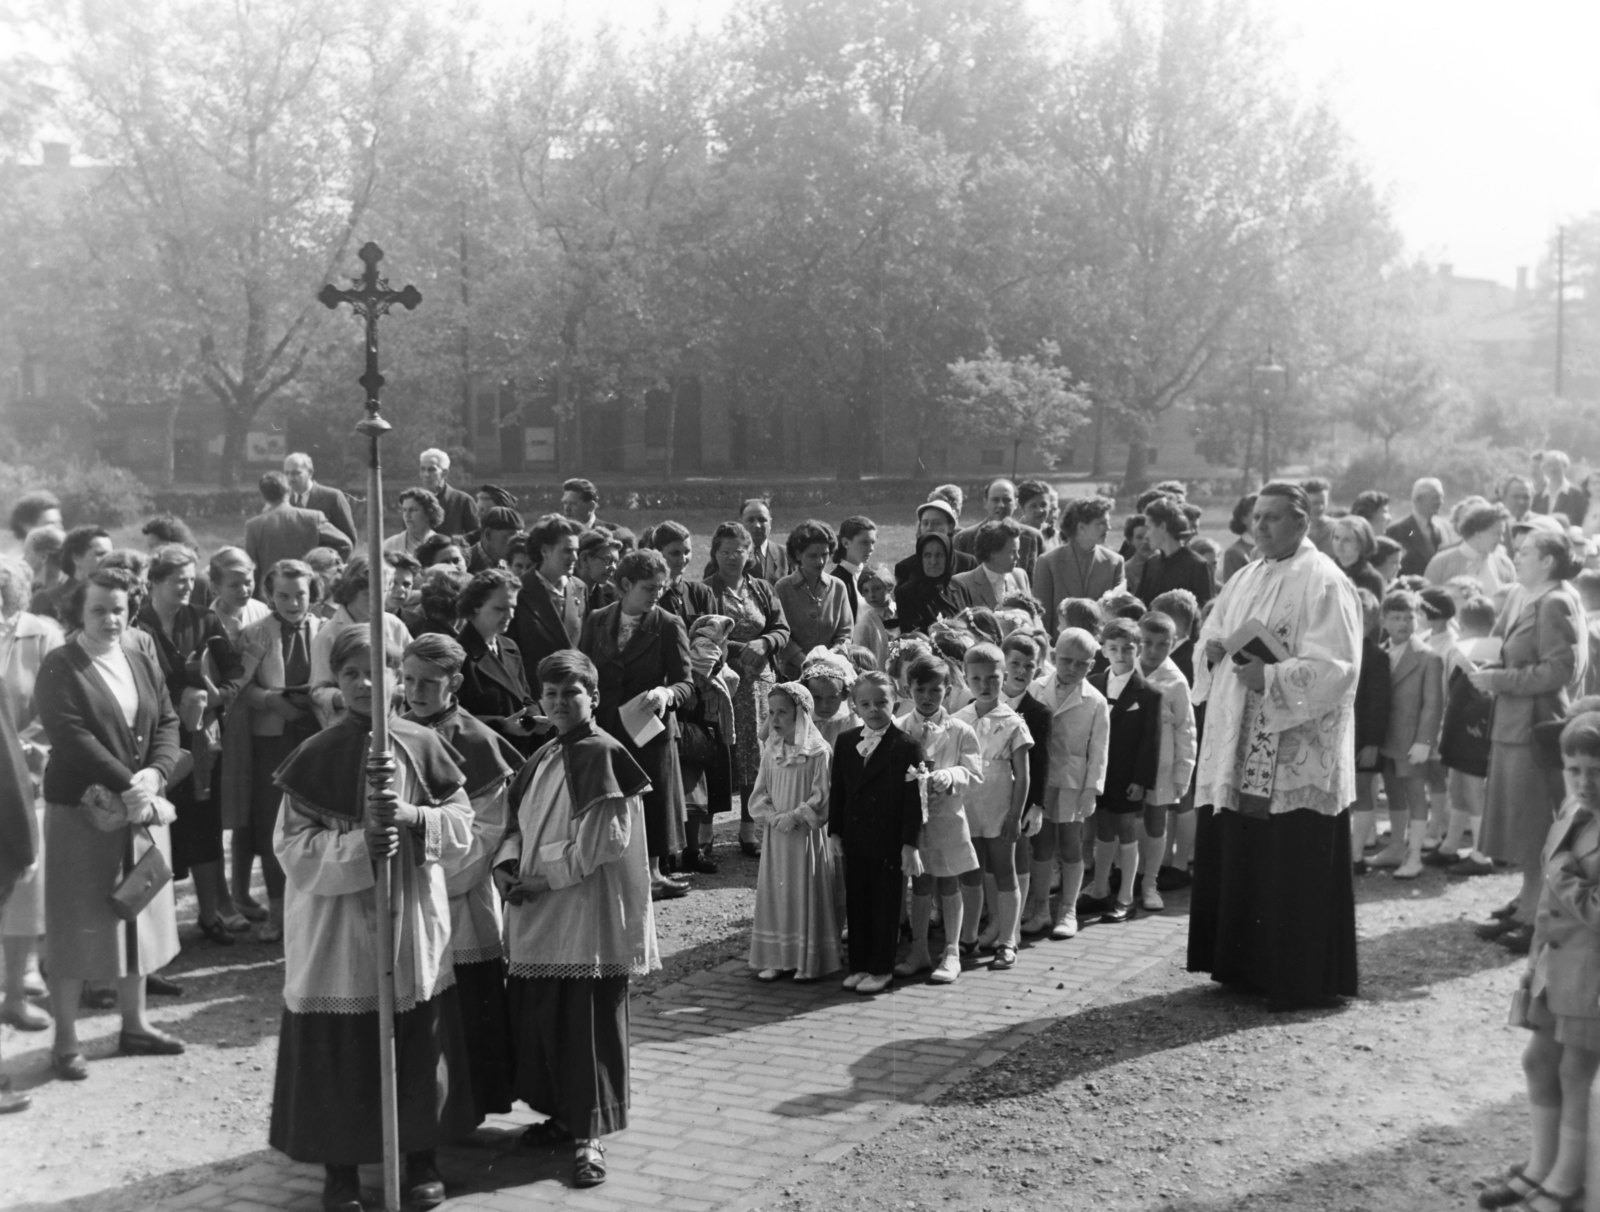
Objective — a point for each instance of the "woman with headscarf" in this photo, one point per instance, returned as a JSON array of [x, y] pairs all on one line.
[[795, 929], [706, 735], [927, 595]]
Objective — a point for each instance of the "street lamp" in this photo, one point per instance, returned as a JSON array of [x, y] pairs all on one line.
[[1268, 384]]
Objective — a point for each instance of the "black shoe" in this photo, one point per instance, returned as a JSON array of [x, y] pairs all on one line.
[[219, 934], [666, 890], [700, 861], [1491, 931], [752, 849], [155, 1043], [424, 1187], [1171, 879], [1090, 907], [160, 986], [1440, 858], [341, 1189], [1517, 941], [1360, 867], [1470, 866], [1509, 909], [1116, 915]]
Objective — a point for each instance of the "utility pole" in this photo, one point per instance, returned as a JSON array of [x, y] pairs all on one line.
[[1561, 304]]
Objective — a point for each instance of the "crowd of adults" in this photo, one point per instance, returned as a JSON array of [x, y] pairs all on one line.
[[150, 693]]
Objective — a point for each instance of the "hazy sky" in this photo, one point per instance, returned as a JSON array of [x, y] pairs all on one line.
[[1480, 118]]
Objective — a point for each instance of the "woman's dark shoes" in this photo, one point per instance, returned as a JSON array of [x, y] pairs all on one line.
[[69, 1066], [1510, 1190], [1470, 866], [1518, 941], [151, 1043], [589, 1165], [666, 890], [217, 933], [341, 1189], [1490, 931], [159, 986], [11, 1100], [1116, 915], [1509, 909], [700, 862], [752, 849], [1093, 906], [424, 1187]]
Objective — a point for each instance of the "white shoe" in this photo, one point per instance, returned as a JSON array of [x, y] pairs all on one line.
[[767, 974], [854, 980], [875, 984], [1039, 923], [1151, 901], [949, 968], [1067, 927], [917, 961]]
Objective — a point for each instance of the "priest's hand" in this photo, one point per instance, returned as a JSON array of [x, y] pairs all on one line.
[[1253, 674], [1215, 651], [525, 890], [383, 839], [910, 861], [505, 878]]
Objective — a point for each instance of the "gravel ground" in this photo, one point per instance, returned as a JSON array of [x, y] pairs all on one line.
[[1171, 1094]]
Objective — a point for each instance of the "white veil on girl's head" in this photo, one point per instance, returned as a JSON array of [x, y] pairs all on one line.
[[807, 740]]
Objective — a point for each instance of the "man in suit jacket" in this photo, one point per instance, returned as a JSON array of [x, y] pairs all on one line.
[[306, 493], [282, 532], [1002, 503], [1421, 534], [1083, 566], [460, 509], [935, 517], [550, 605]]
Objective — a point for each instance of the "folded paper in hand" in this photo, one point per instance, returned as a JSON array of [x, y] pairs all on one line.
[[640, 719], [1254, 640]]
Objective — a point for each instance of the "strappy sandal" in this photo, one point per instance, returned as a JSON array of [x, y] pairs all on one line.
[[1503, 1194], [551, 1132], [1540, 1200], [589, 1165]]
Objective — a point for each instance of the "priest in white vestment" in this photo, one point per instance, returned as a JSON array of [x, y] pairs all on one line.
[[1273, 908]]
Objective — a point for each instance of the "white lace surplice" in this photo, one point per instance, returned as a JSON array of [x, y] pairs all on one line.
[[1295, 742]]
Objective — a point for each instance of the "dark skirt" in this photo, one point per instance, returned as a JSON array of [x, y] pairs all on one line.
[[481, 995], [325, 1096], [1273, 908], [197, 833], [571, 1045]]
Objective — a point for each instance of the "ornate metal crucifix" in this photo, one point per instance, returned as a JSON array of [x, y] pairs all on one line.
[[371, 298]]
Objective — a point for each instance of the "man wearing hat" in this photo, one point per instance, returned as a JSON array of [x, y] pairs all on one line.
[[935, 516], [493, 548]]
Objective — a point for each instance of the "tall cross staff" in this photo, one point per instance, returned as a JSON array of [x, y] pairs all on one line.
[[370, 298]]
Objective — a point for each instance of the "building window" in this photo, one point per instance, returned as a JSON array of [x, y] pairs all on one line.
[[993, 456], [1150, 456]]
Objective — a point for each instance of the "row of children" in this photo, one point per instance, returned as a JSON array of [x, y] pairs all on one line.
[[964, 771]]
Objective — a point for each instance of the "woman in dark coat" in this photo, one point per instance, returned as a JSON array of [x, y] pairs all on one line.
[[114, 739], [640, 649], [928, 596], [494, 685], [1354, 545]]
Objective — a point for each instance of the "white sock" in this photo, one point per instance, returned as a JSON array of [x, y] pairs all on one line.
[[1010, 912], [1105, 854], [1545, 1123], [971, 909], [1024, 886], [1150, 851], [1566, 1175], [1360, 830], [1128, 860], [1071, 886], [952, 918]]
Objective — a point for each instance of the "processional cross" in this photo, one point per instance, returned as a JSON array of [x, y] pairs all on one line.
[[371, 298]]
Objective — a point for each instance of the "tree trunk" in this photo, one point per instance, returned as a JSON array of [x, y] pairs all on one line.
[[1249, 454], [1097, 466], [1266, 447], [468, 420], [1016, 448], [672, 429], [236, 428]]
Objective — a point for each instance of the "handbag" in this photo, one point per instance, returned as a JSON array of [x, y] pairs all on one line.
[[1518, 1016], [699, 742], [144, 880]]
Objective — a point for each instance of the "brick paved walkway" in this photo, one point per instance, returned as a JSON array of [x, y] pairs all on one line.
[[740, 1088]]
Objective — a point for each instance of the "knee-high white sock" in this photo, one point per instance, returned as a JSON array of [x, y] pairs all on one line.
[[1566, 1175], [1128, 860], [1010, 913], [1039, 884], [953, 905], [1455, 836], [971, 910], [1150, 852], [1545, 1123], [1105, 854], [921, 915], [1182, 827], [1071, 885], [1360, 830], [1024, 886]]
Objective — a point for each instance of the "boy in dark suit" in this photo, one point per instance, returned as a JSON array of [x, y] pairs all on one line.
[[1132, 757], [874, 820]]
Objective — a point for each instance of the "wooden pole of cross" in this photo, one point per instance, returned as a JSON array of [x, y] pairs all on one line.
[[370, 298]]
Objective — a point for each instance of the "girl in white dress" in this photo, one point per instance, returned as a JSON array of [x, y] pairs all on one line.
[[796, 928]]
